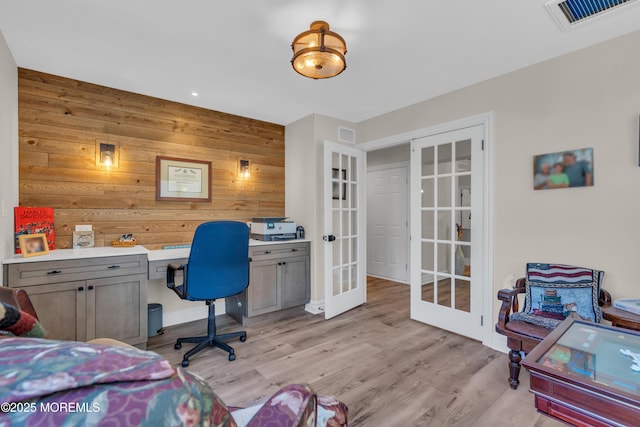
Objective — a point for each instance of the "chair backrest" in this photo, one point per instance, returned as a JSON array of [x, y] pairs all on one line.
[[18, 298], [218, 264], [557, 290]]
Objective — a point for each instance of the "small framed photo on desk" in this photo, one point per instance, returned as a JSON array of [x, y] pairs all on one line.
[[33, 244]]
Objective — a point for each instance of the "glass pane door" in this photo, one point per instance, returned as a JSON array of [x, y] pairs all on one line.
[[344, 210], [447, 230], [345, 284], [446, 234]]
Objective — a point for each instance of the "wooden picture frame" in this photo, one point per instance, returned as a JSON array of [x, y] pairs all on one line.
[[335, 186], [33, 244], [183, 180]]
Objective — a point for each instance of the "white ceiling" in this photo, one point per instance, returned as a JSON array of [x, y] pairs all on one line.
[[236, 54]]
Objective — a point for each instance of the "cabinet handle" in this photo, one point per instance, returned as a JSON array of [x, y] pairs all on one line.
[[284, 263], [267, 252], [54, 272], [80, 289], [90, 288], [113, 267], [279, 263], [294, 250]]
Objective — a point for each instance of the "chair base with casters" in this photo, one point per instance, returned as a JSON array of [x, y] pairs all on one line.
[[211, 339]]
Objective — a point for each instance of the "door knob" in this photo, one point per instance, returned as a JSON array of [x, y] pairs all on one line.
[[329, 238]]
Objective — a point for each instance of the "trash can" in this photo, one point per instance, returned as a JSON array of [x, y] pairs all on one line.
[[154, 320]]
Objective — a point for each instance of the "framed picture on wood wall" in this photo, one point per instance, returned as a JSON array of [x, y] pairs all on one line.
[[183, 180]]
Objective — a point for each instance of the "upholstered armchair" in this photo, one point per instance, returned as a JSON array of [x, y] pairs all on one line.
[[551, 293]]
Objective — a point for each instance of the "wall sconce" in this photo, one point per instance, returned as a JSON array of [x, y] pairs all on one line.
[[243, 169], [106, 154]]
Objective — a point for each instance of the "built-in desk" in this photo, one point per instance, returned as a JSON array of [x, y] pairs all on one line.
[[279, 276], [81, 294]]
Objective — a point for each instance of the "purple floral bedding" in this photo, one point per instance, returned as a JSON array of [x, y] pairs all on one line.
[[47, 383], [54, 383]]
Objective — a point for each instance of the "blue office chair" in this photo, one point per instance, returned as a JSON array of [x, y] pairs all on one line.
[[218, 267]]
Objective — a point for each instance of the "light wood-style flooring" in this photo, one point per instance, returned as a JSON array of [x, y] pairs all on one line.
[[390, 370]]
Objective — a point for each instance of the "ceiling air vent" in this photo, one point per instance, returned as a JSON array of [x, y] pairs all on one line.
[[568, 13]]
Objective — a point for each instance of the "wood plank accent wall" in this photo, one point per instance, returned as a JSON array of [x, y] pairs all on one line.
[[61, 120]]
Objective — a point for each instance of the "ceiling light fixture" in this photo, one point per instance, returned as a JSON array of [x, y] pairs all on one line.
[[319, 52]]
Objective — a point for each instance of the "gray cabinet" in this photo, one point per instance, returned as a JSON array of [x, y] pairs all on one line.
[[83, 299], [279, 279]]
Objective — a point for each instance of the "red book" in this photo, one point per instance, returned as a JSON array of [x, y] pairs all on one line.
[[34, 221]]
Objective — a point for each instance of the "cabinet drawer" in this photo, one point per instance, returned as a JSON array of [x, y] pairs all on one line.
[[39, 273], [158, 269], [278, 251]]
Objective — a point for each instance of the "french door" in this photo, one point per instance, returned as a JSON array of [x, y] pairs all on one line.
[[447, 230], [344, 228]]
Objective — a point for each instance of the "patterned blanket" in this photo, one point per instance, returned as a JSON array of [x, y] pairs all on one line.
[[18, 323], [66, 383]]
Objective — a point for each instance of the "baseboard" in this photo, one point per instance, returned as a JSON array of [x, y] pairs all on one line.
[[402, 282], [426, 278], [315, 306], [190, 314], [497, 342]]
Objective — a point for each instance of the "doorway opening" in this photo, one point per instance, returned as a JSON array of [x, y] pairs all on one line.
[[388, 213]]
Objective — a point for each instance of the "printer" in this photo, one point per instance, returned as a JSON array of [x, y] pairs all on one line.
[[272, 228]]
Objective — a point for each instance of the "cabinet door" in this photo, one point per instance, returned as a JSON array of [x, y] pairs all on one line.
[[61, 309], [117, 308], [264, 296], [294, 281]]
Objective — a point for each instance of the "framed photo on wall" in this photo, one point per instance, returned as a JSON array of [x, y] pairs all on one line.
[[564, 169], [183, 180]]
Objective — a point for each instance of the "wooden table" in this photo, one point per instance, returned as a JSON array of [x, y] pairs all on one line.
[[621, 318], [579, 375]]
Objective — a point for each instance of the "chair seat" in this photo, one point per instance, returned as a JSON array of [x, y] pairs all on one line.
[[523, 328]]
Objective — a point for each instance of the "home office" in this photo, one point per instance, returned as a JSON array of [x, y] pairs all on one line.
[[541, 107]]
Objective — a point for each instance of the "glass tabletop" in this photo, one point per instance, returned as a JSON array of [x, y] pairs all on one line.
[[605, 356]]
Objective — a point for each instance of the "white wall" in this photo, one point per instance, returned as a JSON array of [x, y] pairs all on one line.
[[8, 147], [589, 98], [303, 184]]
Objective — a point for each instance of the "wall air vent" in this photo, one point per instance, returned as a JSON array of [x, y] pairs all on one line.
[[568, 13], [346, 135]]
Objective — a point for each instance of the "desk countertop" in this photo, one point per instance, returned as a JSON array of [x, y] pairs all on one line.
[[108, 251], [180, 253], [68, 254]]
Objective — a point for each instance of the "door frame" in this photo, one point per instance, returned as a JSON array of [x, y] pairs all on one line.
[[486, 121]]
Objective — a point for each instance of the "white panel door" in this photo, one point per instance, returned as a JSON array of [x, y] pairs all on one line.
[[344, 226], [387, 223], [447, 230]]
